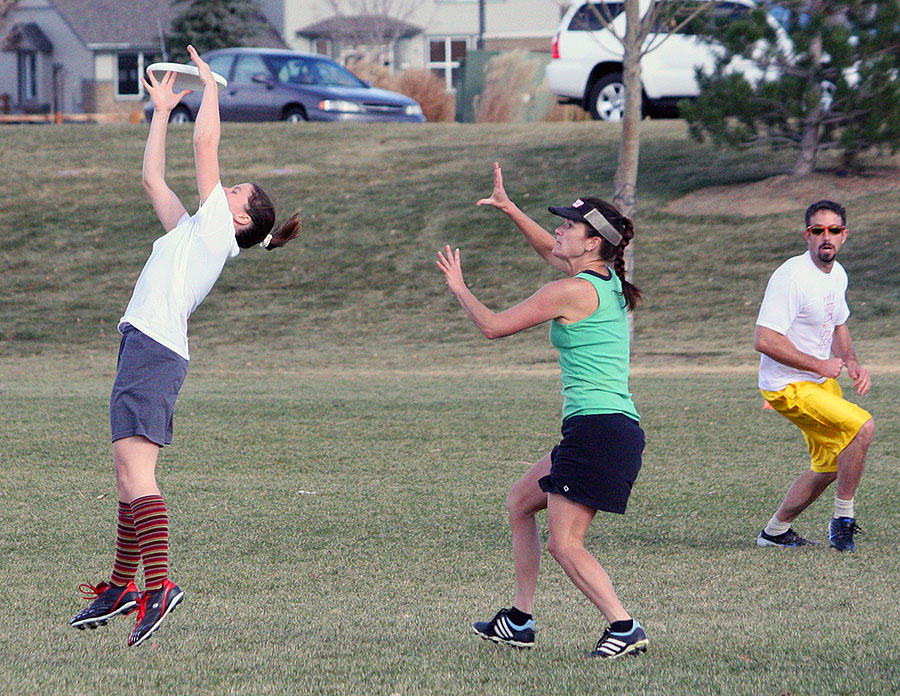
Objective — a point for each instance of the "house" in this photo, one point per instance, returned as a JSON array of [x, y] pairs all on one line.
[[82, 56], [433, 34], [86, 56]]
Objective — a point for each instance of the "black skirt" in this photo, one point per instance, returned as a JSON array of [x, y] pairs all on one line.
[[597, 462]]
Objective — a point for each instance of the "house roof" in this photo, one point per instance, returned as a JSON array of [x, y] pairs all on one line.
[[359, 27], [26, 37], [112, 22], [133, 24]]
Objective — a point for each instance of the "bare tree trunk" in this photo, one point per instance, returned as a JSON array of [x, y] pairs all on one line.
[[809, 142], [809, 145], [625, 180]]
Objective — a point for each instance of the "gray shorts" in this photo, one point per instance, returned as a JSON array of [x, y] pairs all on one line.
[[148, 378]]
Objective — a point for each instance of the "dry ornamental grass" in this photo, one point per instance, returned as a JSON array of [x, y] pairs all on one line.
[[504, 94]]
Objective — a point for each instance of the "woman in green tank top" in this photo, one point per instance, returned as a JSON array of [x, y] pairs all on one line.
[[597, 461]]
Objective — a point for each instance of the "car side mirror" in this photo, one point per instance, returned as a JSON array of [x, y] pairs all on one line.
[[262, 79]]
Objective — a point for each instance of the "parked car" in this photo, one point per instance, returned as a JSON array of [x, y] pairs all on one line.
[[586, 64], [279, 85]]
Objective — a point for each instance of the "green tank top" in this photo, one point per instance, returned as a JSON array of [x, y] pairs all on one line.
[[594, 354]]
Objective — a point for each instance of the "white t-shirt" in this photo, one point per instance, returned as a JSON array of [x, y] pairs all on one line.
[[803, 303], [183, 266]]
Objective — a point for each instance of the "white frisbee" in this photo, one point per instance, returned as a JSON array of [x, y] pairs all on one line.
[[186, 76]]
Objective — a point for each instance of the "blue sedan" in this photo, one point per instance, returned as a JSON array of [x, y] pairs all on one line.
[[279, 85]]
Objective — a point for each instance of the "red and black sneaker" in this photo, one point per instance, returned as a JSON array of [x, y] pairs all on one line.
[[109, 601], [153, 607]]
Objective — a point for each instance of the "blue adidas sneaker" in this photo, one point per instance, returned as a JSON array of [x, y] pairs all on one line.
[[613, 645], [501, 630]]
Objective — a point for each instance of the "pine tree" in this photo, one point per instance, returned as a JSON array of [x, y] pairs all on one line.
[[830, 80], [211, 24]]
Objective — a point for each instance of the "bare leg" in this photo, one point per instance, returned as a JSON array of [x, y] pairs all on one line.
[[135, 461], [569, 522], [811, 484], [803, 491], [524, 500], [852, 460]]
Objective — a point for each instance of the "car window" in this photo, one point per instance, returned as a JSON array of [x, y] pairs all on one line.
[[334, 74], [593, 16], [718, 15], [221, 64], [730, 11], [247, 67], [312, 71], [298, 71]]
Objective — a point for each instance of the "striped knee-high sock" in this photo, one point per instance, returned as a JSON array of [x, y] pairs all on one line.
[[151, 523], [128, 552]]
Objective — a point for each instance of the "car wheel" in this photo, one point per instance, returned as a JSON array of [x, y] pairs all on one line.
[[294, 115], [607, 98], [180, 115]]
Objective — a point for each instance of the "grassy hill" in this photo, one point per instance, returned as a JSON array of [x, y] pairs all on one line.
[[377, 204]]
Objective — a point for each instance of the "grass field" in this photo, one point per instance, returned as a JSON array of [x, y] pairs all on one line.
[[345, 441]]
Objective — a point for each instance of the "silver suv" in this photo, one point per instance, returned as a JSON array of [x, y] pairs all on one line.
[[586, 65]]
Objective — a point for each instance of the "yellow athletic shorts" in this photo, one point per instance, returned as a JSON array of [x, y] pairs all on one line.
[[827, 420]]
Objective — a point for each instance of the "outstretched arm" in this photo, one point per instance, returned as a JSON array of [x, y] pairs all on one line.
[[553, 301], [168, 208], [842, 347], [539, 238], [207, 130]]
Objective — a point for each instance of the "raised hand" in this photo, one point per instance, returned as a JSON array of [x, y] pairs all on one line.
[[498, 199], [161, 94], [202, 67], [448, 262]]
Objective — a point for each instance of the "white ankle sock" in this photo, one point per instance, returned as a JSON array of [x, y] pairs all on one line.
[[843, 508], [776, 527]]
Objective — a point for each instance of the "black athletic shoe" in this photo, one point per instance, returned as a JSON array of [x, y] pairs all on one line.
[[109, 601], [501, 630], [153, 607], [613, 645], [788, 540], [841, 531]]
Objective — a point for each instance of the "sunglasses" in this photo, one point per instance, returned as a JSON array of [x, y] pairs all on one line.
[[822, 229]]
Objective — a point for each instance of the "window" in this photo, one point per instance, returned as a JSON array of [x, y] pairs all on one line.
[[221, 64], [312, 71], [27, 77], [322, 47], [129, 68], [445, 55], [716, 17], [247, 67], [593, 16], [334, 74]]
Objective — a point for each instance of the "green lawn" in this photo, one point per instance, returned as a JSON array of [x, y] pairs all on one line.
[[338, 535], [345, 439]]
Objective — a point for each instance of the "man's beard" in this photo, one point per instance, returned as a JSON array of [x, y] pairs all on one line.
[[826, 255]]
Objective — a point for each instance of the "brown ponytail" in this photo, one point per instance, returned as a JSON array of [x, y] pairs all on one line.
[[284, 232], [262, 219], [616, 253]]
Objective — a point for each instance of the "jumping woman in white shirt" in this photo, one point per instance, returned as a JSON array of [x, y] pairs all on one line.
[[153, 355]]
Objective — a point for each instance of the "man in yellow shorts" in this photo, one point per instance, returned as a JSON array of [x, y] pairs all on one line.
[[802, 323]]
